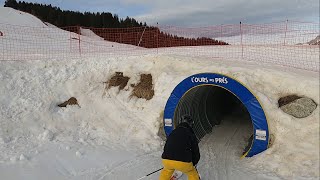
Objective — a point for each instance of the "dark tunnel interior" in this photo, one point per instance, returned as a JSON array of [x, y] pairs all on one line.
[[208, 105]]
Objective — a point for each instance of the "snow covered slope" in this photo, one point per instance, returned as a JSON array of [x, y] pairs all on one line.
[[110, 120], [26, 34], [19, 18], [114, 136], [89, 33]]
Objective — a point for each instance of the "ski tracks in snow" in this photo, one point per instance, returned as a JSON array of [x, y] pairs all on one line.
[[217, 149], [144, 163]]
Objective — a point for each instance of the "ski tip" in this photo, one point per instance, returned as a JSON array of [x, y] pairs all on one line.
[[176, 175]]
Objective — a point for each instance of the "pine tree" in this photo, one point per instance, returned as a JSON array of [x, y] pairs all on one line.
[[11, 3]]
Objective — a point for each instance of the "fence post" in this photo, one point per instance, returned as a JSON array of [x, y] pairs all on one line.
[[70, 32], [157, 36], [285, 33], [142, 36], [241, 39], [79, 32]]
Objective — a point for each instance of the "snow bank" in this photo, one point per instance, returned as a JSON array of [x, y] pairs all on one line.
[[19, 18], [28, 35], [30, 116], [290, 38], [113, 136]]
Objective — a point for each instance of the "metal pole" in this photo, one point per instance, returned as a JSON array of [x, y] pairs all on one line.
[[197, 172], [79, 40], [142, 36], [70, 39], [150, 174], [157, 36], [241, 40], [285, 33]]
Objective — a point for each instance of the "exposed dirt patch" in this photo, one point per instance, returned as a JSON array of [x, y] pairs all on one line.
[[296, 106], [144, 89], [287, 99], [272, 138], [118, 80], [71, 101], [161, 132], [315, 41]]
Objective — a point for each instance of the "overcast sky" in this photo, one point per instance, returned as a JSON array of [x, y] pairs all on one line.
[[197, 12]]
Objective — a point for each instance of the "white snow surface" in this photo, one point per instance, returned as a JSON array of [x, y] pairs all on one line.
[[112, 135], [89, 33], [19, 18]]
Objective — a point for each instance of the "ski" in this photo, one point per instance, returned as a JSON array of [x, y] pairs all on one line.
[[176, 175]]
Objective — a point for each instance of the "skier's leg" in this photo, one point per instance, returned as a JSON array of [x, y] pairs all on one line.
[[166, 174], [188, 169], [167, 170], [193, 174]]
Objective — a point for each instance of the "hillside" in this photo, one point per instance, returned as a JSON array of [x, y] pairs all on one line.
[[110, 26], [113, 134], [63, 18], [13, 17]]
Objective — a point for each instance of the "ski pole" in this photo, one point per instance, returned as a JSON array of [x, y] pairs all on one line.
[[197, 171], [150, 174]]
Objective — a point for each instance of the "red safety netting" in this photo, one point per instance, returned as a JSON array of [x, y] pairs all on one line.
[[288, 43]]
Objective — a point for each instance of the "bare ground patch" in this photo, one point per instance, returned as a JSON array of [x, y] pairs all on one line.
[[144, 89], [71, 101], [118, 80], [287, 99], [296, 106]]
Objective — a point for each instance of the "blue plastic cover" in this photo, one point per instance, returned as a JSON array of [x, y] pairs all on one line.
[[259, 121]]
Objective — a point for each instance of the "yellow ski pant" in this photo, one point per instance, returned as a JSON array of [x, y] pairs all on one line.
[[170, 165]]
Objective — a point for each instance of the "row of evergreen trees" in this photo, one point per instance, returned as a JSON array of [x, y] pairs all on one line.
[[61, 18]]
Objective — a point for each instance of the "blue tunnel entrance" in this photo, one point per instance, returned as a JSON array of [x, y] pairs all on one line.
[[209, 96]]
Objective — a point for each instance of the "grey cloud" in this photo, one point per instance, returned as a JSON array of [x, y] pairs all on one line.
[[199, 12], [232, 11]]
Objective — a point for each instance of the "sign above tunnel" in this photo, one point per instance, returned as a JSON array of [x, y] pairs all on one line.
[[258, 118], [217, 80]]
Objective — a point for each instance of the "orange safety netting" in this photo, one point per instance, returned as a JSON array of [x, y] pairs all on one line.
[[287, 43]]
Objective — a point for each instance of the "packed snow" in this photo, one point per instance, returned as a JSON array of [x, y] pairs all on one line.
[[13, 17], [89, 33], [112, 135]]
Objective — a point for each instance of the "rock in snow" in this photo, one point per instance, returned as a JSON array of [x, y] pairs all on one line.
[[300, 108]]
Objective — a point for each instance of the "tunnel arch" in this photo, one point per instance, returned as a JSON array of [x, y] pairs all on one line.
[[208, 81]]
